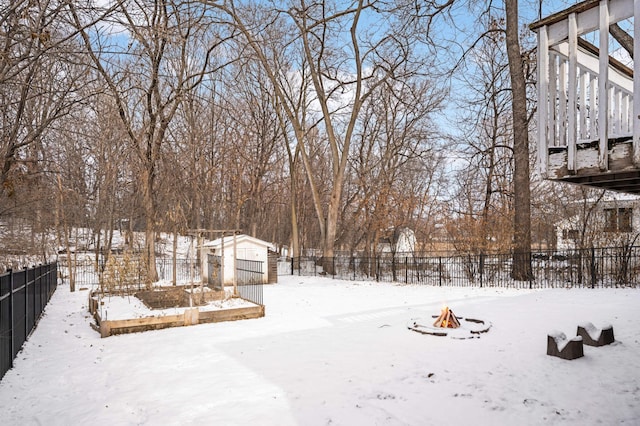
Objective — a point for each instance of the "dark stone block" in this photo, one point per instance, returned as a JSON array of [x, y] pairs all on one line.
[[593, 336], [558, 345]]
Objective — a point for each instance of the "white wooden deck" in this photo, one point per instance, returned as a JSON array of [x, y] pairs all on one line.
[[588, 118]]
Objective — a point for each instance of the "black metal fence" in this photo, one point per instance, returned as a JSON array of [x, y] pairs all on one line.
[[187, 270], [23, 296], [87, 271], [250, 280], [593, 267]]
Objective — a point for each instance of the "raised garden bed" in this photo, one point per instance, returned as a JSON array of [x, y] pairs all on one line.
[[179, 296], [167, 307]]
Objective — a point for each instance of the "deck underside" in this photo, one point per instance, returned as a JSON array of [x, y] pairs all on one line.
[[627, 181], [622, 175]]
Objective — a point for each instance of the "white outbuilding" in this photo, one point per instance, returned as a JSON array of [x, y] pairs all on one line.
[[240, 247], [401, 240]]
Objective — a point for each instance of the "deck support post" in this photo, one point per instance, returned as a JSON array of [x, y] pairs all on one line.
[[603, 78], [543, 103], [635, 123], [572, 110]]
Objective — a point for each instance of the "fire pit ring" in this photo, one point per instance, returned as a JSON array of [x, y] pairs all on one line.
[[470, 328]]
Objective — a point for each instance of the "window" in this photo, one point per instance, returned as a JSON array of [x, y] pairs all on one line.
[[570, 234], [624, 220], [618, 220], [610, 220]]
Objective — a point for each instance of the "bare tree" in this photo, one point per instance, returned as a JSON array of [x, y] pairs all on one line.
[[486, 176], [345, 63], [293, 162], [165, 58], [394, 164], [521, 269], [40, 77], [256, 154], [43, 82]]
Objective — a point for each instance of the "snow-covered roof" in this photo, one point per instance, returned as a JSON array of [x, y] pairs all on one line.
[[614, 197], [242, 238], [568, 222]]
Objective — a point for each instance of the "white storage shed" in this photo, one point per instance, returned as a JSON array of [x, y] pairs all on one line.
[[243, 247]]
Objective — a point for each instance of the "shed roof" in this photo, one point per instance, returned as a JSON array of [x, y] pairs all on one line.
[[242, 238]]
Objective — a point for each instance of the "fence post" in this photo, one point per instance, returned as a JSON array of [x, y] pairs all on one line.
[[333, 267], [532, 276], [291, 265], [353, 262], [406, 270], [26, 303], [13, 332], [481, 268], [52, 272], [593, 267], [47, 280], [440, 271], [37, 284]]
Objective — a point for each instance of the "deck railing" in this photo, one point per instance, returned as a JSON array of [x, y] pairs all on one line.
[[573, 103], [584, 95]]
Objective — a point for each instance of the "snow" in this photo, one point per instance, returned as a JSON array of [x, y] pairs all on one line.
[[561, 339], [594, 333], [128, 307], [470, 328], [336, 352]]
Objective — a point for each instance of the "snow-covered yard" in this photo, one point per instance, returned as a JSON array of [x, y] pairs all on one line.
[[340, 353]]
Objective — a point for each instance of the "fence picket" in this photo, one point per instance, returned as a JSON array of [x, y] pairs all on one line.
[[17, 324], [591, 267]]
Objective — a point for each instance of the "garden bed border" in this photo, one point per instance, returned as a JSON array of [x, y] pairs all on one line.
[[191, 316]]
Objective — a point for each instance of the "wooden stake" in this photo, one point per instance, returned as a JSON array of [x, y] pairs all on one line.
[[447, 319]]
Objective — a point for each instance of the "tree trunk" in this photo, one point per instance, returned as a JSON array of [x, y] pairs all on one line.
[[63, 218], [331, 227], [295, 238], [151, 274], [521, 268]]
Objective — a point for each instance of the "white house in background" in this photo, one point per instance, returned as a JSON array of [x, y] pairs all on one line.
[[397, 240], [244, 247], [615, 220]]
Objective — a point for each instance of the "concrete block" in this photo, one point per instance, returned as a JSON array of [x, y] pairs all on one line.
[[593, 336], [558, 345]]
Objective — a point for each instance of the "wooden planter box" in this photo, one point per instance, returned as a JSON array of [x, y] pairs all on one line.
[[191, 316]]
